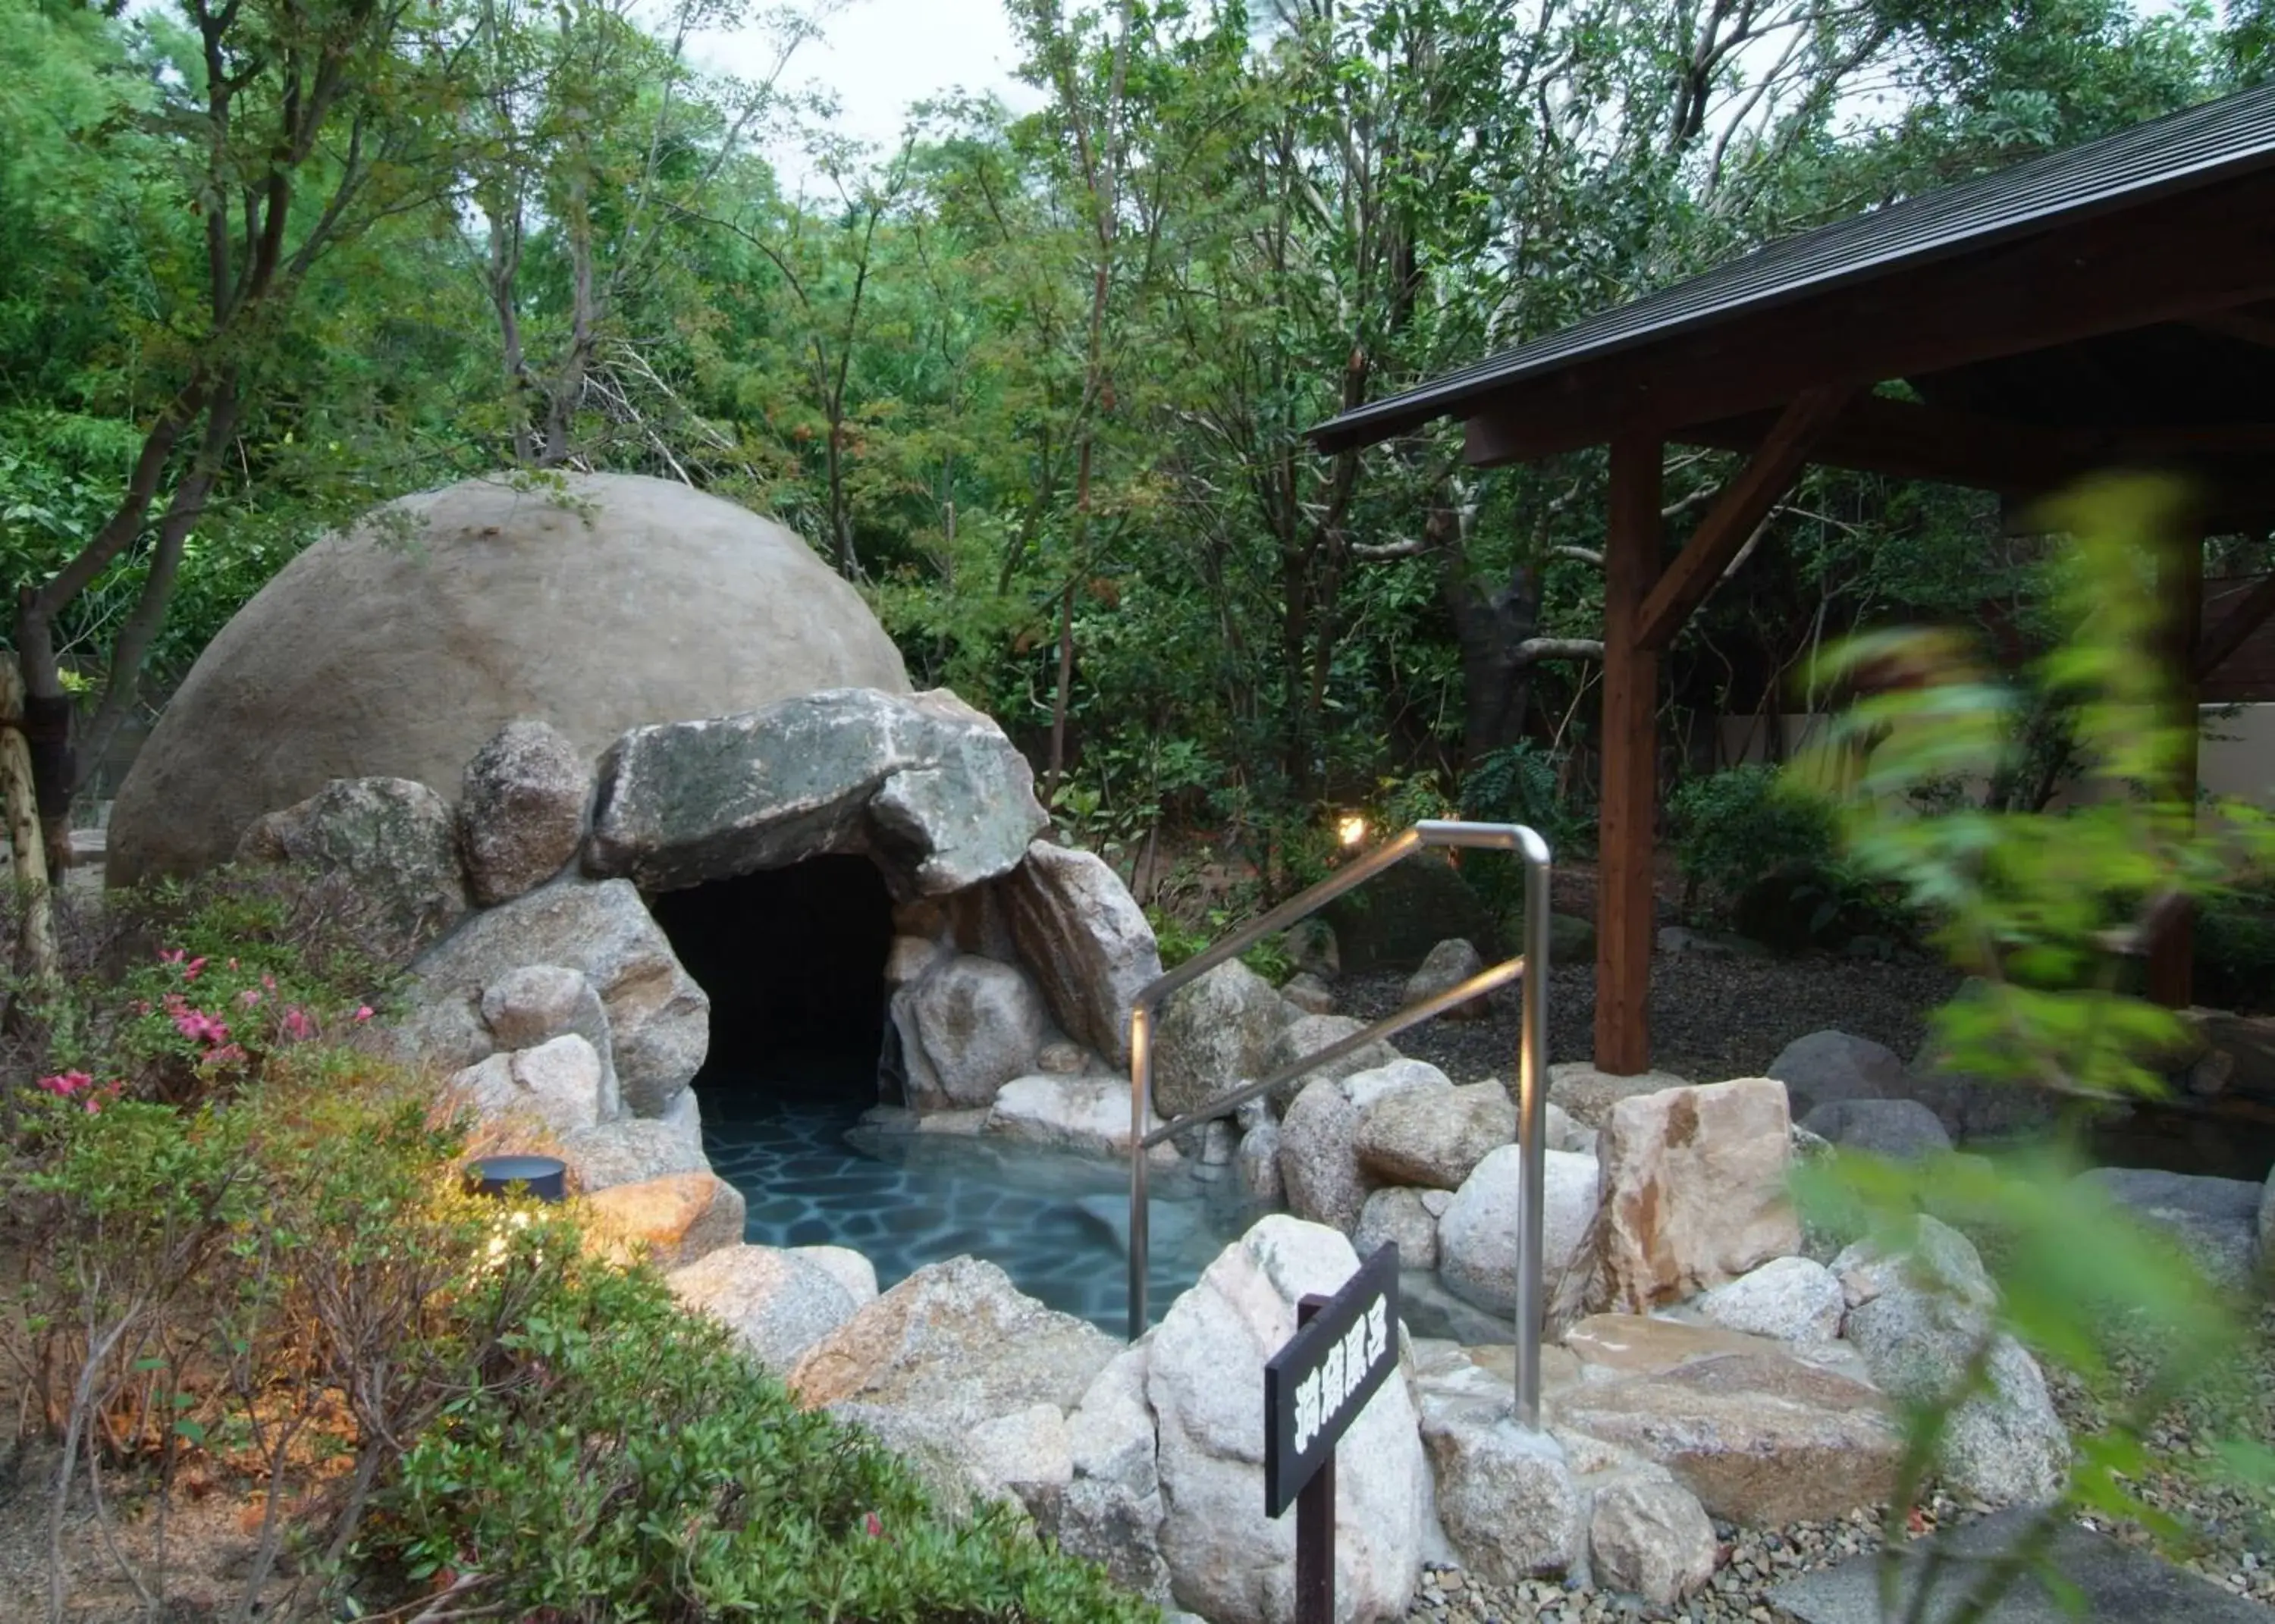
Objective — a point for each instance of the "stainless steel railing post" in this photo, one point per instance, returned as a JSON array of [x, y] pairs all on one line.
[[1531, 966]]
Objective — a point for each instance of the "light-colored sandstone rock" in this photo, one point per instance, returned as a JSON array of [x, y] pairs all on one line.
[[1694, 1190], [1087, 940], [1478, 1245], [1435, 1138], [1399, 1218], [1308, 1036], [1446, 966], [1507, 1497], [673, 1220], [1111, 1511], [846, 1266], [1023, 1452], [533, 1004], [1919, 1321], [659, 1018], [1309, 993], [1088, 1114], [1211, 1035], [521, 809], [966, 1030], [957, 1342], [1789, 1299], [1229, 1562], [1319, 1154], [391, 839], [1590, 1094], [1761, 1438], [778, 1303], [1650, 1536], [922, 784], [556, 1086], [633, 1148]]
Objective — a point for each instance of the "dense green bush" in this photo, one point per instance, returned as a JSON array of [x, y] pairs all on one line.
[[2235, 950], [630, 1465], [1764, 854]]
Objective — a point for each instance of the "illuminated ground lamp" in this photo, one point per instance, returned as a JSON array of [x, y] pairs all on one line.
[[1350, 830], [545, 1177]]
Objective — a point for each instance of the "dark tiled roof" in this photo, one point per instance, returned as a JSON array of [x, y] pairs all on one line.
[[2202, 144]]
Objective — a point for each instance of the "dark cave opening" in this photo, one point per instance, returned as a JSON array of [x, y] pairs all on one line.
[[793, 960]]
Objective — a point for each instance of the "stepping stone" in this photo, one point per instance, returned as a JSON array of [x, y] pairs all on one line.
[[2118, 1581]]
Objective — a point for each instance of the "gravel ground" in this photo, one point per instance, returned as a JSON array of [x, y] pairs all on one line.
[[1712, 1017]]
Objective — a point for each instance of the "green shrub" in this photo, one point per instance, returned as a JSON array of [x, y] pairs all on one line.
[[635, 1466], [1519, 784], [2235, 950], [1761, 853]]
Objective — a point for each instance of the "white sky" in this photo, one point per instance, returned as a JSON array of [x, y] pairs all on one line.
[[878, 56]]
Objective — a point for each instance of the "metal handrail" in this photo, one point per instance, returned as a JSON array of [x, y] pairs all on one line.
[[1530, 967]]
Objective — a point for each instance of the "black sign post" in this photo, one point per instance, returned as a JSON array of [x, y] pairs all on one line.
[[1345, 1347]]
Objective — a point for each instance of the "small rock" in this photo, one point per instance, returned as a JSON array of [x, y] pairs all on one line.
[[1220, 1142], [1435, 1138], [1307, 1037], [2217, 1219], [1505, 1494], [1650, 1536], [1447, 965], [1398, 1216], [1311, 947], [1090, 1115], [778, 1303], [966, 1030], [1211, 1035], [1477, 1237], [674, 1221], [521, 810], [1309, 993], [1588, 1095], [556, 1086], [392, 838], [1828, 1066], [633, 1148], [1085, 938], [532, 1004], [1893, 1128], [1789, 1299], [846, 1266]]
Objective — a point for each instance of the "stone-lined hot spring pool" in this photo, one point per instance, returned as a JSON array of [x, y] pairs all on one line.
[[814, 1175]]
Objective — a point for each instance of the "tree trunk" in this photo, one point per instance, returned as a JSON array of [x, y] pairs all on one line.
[[38, 960]]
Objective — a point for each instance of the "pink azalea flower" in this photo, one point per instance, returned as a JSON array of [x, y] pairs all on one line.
[[298, 1023], [191, 971], [249, 997], [65, 1085], [170, 955], [228, 1054], [362, 1014]]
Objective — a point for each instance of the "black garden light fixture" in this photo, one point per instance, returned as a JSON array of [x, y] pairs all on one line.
[[545, 1177]]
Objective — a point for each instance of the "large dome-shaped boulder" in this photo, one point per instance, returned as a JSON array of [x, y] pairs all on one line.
[[397, 649]]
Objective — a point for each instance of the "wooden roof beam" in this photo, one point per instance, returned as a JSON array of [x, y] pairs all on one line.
[[1905, 440], [1743, 504], [2180, 259]]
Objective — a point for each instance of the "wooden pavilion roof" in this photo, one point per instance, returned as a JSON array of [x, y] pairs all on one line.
[[2110, 304]]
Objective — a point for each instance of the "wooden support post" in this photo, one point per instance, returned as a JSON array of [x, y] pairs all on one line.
[[1624, 910], [1738, 511], [2179, 582]]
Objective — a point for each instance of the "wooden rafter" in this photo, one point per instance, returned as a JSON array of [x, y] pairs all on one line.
[[1743, 504]]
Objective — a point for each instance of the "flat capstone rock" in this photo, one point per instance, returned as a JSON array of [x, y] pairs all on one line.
[[2119, 1583]]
